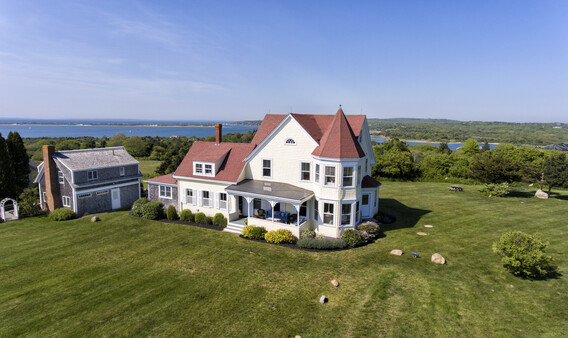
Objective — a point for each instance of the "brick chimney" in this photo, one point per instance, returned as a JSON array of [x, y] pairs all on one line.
[[51, 178], [218, 133]]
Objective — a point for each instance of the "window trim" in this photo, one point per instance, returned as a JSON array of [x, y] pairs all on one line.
[[351, 176], [208, 199], [68, 199], [288, 143], [121, 171], [327, 213], [203, 168], [60, 177], [193, 197], [94, 175], [263, 168], [334, 183], [350, 205], [84, 195], [165, 193], [226, 207], [316, 211], [317, 173], [309, 171]]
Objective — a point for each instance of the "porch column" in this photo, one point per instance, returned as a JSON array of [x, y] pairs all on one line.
[[272, 204], [249, 206], [297, 207]]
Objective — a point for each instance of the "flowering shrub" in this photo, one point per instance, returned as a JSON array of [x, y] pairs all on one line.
[[353, 238], [250, 231], [280, 236], [322, 243], [370, 227]]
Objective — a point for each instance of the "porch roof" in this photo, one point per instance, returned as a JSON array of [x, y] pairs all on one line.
[[267, 189]]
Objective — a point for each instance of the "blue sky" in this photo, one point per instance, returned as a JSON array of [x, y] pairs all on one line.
[[237, 60]]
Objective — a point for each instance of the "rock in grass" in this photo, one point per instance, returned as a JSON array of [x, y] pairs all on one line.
[[323, 299], [428, 226], [396, 252], [541, 194], [335, 283], [422, 234], [438, 259], [95, 219]]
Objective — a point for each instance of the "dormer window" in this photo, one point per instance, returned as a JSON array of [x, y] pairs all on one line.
[[92, 175], [203, 169], [290, 142]]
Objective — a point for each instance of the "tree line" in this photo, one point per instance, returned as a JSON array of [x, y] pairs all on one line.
[[505, 163], [14, 166]]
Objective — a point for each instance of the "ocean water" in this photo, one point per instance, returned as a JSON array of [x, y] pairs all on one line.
[[156, 129], [452, 146]]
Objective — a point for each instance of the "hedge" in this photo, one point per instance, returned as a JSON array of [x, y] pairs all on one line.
[[322, 243], [153, 210], [280, 236], [187, 215], [171, 213], [200, 218], [219, 220], [62, 214]]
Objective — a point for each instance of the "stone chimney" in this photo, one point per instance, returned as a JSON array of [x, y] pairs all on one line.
[[51, 178], [218, 133]]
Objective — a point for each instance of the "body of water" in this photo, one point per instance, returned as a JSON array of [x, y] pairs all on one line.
[[452, 146], [50, 130]]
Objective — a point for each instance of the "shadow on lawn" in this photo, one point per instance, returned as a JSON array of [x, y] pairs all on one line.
[[406, 217]]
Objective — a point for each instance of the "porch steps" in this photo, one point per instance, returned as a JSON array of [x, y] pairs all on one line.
[[234, 228]]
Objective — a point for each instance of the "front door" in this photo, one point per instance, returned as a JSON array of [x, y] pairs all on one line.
[[115, 194], [365, 206]]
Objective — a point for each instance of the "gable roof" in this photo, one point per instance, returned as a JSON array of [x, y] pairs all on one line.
[[339, 141], [164, 179], [315, 125], [85, 159], [229, 170]]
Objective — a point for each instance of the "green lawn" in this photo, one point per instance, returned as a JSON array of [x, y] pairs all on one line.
[[148, 169], [128, 276]]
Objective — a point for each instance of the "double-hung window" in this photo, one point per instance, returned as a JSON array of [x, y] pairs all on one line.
[[317, 174], [329, 178], [208, 169], [305, 171], [60, 176], [165, 192], [121, 171], [66, 201], [190, 196], [328, 213], [198, 168], [206, 198], [316, 210], [92, 175], [266, 168], [222, 200], [346, 214], [347, 176]]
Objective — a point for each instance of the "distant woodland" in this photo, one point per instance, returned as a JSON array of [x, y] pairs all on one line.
[[459, 131]]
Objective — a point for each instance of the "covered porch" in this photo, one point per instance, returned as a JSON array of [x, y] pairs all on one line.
[[273, 205]]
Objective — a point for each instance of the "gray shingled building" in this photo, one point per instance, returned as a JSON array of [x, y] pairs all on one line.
[[88, 180]]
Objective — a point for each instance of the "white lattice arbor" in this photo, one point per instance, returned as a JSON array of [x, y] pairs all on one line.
[[9, 215]]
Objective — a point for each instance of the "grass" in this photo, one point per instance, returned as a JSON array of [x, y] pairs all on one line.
[[148, 169], [128, 276]]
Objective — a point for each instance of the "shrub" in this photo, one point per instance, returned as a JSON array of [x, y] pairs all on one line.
[[186, 215], [62, 214], [322, 243], [353, 238], [246, 221], [138, 205], [153, 210], [370, 227], [171, 213], [219, 220], [28, 204], [496, 190], [200, 218], [208, 220], [250, 231], [523, 254], [280, 236], [308, 234]]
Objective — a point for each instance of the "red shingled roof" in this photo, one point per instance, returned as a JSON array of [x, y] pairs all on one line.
[[231, 167], [369, 182], [164, 179], [315, 125], [339, 141]]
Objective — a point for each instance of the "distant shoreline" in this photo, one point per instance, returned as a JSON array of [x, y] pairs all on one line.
[[106, 124], [426, 141]]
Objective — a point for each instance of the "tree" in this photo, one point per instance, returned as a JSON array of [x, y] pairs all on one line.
[[444, 148], [493, 167], [485, 147], [136, 146], [7, 177], [470, 147], [523, 254], [20, 161], [555, 171], [393, 159]]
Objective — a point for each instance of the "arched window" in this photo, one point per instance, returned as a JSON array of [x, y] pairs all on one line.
[[290, 141]]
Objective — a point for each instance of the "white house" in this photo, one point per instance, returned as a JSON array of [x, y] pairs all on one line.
[[300, 171]]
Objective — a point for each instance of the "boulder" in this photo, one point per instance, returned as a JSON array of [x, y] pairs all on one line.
[[323, 299], [95, 219], [396, 252], [421, 233], [438, 259], [335, 283], [541, 194]]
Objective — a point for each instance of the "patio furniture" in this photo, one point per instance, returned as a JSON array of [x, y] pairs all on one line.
[[279, 215]]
